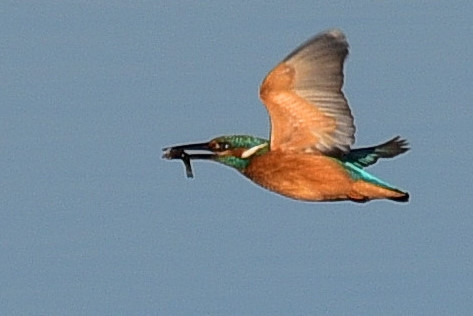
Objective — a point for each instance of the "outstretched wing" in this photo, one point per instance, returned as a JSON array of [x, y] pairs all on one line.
[[364, 157], [303, 96]]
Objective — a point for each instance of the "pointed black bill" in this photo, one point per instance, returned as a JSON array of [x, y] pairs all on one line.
[[179, 152]]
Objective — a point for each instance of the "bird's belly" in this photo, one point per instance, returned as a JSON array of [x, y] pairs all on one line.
[[301, 176]]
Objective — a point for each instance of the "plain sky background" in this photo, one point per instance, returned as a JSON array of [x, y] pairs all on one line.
[[94, 222]]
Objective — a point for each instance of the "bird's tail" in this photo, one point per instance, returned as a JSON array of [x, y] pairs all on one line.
[[367, 187], [363, 191]]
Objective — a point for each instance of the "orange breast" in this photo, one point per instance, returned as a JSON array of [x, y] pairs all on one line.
[[301, 176]]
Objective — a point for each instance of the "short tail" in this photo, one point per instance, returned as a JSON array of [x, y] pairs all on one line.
[[367, 187], [403, 198], [364, 157], [363, 191]]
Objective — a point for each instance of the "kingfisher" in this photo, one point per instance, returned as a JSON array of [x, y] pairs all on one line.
[[308, 156]]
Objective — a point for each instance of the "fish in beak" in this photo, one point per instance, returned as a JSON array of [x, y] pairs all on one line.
[[188, 152]]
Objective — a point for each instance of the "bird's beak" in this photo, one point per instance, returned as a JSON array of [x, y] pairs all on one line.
[[182, 152]]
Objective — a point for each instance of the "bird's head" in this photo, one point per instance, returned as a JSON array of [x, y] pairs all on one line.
[[235, 151]]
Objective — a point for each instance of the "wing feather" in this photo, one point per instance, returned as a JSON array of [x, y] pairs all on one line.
[[304, 98]]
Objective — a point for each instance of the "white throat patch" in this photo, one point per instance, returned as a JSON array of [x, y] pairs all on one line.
[[253, 150]]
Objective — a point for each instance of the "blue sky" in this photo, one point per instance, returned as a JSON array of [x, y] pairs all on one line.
[[94, 222]]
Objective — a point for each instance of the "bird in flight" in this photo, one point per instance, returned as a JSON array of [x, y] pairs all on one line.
[[309, 155]]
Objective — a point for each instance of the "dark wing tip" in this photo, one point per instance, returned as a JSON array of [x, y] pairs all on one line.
[[392, 147], [333, 38]]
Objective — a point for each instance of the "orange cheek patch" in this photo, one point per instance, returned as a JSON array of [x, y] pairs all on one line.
[[231, 152]]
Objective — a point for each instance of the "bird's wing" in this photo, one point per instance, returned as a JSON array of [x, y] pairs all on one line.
[[364, 157], [303, 96]]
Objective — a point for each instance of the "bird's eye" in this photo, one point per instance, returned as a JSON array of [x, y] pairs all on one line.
[[219, 146], [223, 145]]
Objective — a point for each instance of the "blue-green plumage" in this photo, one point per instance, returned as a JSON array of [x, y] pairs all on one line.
[[359, 174], [364, 157], [356, 158]]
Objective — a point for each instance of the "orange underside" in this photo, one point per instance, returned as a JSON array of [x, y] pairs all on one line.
[[312, 178]]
